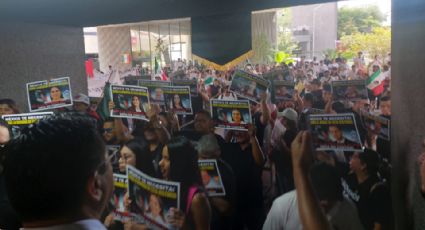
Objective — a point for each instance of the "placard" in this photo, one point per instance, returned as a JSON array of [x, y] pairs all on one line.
[[178, 100], [18, 121], [44, 95], [248, 85], [129, 101], [352, 90], [376, 124], [335, 132], [234, 115], [211, 177], [151, 198]]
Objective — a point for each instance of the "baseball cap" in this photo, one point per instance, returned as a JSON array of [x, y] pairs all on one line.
[[289, 114], [82, 98]]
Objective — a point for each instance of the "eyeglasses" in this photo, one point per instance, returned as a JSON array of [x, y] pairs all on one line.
[[108, 130]]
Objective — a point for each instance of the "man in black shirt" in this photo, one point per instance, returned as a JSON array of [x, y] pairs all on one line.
[[246, 159], [366, 190]]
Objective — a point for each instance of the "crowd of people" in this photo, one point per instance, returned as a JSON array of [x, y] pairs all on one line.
[[56, 173]]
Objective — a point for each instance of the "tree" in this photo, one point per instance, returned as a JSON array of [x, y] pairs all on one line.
[[263, 50], [352, 20], [378, 42]]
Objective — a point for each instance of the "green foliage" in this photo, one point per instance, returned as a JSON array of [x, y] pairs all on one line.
[[332, 53], [378, 42], [358, 20]]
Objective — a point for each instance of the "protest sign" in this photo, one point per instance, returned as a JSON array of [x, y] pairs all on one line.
[[211, 177], [129, 101], [156, 92], [248, 85], [352, 90], [178, 100], [152, 198], [283, 90], [335, 132], [18, 121], [43, 95], [231, 114], [192, 83], [376, 124], [120, 189]]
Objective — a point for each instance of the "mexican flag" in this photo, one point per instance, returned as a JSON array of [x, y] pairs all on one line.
[[126, 59], [376, 82]]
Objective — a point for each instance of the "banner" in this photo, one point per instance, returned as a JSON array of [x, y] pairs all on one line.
[[335, 132], [43, 95], [151, 199], [156, 91], [231, 114], [283, 90], [192, 83], [376, 124], [352, 90], [129, 101], [211, 177], [18, 121], [248, 85], [178, 100], [120, 189]]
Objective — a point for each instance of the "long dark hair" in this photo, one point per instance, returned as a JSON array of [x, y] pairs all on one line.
[[183, 166], [11, 103], [143, 160]]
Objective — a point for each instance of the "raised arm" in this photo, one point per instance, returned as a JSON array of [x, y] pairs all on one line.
[[311, 214]]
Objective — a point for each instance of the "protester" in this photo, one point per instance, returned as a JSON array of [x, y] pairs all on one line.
[[180, 164], [8, 106], [62, 162], [222, 207], [368, 192]]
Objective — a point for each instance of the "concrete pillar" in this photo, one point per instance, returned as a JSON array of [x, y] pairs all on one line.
[[33, 52]]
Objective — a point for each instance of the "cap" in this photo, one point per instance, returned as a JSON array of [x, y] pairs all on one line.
[[289, 114], [82, 98]]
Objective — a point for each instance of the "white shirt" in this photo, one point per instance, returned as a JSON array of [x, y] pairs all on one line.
[[284, 214], [88, 224]]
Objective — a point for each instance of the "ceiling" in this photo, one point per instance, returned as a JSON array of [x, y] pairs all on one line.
[[87, 13]]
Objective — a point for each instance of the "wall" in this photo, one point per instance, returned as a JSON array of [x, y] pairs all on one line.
[[408, 100], [326, 19], [32, 52], [113, 41], [264, 22]]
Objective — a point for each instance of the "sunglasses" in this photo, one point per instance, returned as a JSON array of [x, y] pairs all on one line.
[[108, 130]]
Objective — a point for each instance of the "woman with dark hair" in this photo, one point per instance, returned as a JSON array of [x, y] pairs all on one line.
[[55, 94], [133, 153], [177, 103], [180, 164], [8, 106], [136, 105]]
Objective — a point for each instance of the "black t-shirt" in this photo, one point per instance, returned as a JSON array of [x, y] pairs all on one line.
[[372, 199], [220, 221], [156, 156]]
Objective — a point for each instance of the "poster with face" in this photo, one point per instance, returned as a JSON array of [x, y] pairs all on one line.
[[234, 115], [335, 132], [156, 91], [283, 90], [44, 95], [352, 90], [178, 100], [152, 198], [376, 124], [129, 101], [211, 177], [248, 85]]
